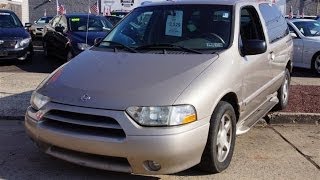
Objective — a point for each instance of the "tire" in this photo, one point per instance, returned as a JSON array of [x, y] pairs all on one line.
[[315, 65], [216, 158], [283, 92], [29, 59]]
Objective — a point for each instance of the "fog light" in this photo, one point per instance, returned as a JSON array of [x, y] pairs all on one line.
[[152, 165]]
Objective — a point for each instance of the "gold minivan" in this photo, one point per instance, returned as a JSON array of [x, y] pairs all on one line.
[[168, 88]]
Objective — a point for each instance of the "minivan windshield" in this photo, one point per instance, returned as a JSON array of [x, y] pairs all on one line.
[[192, 27], [8, 20], [308, 28]]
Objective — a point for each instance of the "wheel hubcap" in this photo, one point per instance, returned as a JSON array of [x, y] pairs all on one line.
[[224, 137], [285, 90], [317, 64]]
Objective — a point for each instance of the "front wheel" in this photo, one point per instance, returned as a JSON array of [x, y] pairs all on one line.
[[221, 139], [316, 64]]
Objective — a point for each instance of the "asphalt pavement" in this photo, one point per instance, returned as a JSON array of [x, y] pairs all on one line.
[[265, 152]]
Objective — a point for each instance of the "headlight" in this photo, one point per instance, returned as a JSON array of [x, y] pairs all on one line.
[[23, 43], [163, 115], [83, 46], [38, 100]]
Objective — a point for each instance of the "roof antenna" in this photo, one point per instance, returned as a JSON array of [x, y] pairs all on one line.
[[88, 22]]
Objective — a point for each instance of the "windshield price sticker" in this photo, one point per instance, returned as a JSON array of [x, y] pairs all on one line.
[[75, 19], [174, 24]]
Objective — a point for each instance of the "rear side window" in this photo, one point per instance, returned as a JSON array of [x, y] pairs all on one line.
[[274, 20]]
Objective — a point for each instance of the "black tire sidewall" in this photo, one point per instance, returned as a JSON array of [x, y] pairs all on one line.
[[313, 65], [211, 160], [282, 103]]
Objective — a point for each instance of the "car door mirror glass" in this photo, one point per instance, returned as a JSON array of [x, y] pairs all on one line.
[[293, 35], [253, 47]]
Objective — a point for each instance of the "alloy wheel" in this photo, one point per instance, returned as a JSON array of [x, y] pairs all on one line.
[[285, 90], [224, 137]]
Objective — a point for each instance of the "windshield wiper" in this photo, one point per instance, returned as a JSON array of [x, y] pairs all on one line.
[[163, 45], [122, 45]]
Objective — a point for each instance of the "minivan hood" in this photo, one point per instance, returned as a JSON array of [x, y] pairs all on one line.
[[120, 80], [18, 32]]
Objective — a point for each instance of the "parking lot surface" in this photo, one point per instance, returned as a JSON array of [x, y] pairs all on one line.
[[263, 153]]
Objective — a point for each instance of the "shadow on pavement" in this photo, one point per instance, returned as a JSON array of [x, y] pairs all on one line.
[[13, 106], [301, 72]]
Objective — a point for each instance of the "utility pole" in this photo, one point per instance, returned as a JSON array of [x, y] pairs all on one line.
[[301, 5], [317, 8]]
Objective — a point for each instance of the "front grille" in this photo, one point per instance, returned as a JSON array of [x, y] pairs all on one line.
[[39, 29], [92, 160], [7, 43], [84, 124]]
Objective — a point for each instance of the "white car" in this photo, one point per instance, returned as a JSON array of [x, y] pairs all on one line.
[[306, 40]]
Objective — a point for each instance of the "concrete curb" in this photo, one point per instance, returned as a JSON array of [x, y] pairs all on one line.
[[293, 118]]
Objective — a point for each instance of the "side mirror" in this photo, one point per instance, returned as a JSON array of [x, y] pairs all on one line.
[[35, 22], [97, 40], [59, 29], [253, 47], [293, 35], [27, 25]]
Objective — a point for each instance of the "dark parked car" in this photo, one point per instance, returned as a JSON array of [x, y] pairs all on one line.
[[113, 19], [68, 35], [15, 41]]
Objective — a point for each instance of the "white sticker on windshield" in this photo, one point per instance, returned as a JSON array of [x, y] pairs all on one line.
[[225, 15], [174, 24], [215, 45]]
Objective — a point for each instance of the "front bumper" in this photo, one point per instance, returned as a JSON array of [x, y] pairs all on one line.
[[174, 148], [37, 32], [16, 53]]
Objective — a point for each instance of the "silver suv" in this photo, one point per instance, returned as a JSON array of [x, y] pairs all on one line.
[[168, 88]]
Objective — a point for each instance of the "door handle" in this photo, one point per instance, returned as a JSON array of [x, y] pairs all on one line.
[[272, 56]]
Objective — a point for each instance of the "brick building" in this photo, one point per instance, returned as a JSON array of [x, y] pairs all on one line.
[[38, 8], [20, 7]]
